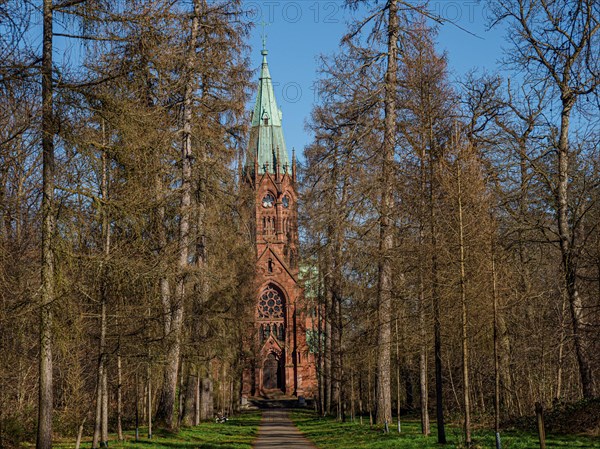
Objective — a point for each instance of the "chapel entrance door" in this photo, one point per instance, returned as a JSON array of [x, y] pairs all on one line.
[[271, 373]]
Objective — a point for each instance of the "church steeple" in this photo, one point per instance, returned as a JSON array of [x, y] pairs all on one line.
[[281, 358], [266, 135]]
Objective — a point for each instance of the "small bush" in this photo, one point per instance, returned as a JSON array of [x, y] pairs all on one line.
[[14, 432]]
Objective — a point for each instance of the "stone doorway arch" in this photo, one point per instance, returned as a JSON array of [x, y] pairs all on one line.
[[272, 373]]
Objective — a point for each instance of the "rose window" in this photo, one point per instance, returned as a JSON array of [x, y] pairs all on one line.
[[270, 305]]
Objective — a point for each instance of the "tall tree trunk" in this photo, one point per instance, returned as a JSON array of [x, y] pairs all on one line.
[[569, 257], [103, 373], [561, 344], [423, 385], [100, 432], [120, 378], [149, 399], [167, 401], [463, 299], [98, 419], [45, 401], [435, 296], [386, 239], [171, 312], [327, 359], [340, 358], [187, 412], [104, 435], [206, 399], [398, 408], [496, 348], [320, 351], [335, 380], [334, 282], [197, 399], [119, 396]]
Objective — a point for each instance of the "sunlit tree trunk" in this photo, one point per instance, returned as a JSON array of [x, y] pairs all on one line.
[[45, 402], [386, 239], [463, 298]]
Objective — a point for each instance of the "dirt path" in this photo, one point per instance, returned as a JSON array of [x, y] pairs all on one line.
[[277, 431]]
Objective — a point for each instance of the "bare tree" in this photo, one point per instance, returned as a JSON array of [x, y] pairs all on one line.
[[557, 42], [47, 298]]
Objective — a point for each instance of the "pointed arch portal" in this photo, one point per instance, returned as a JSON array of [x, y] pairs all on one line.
[[272, 373]]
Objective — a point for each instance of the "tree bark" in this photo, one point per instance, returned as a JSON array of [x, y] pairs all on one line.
[[98, 419], [423, 385], [437, 323], [561, 345], [45, 401], [197, 399], [496, 348], [149, 399], [569, 257], [398, 408], [104, 439], [206, 399], [102, 397], [167, 401], [386, 240], [463, 300], [327, 371], [187, 418], [119, 396]]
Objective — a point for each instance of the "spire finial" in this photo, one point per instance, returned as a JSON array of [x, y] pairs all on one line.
[[264, 51]]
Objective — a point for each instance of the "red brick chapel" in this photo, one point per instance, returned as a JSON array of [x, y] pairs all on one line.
[[281, 362]]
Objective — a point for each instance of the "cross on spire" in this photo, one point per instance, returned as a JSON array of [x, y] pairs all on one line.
[[264, 25]]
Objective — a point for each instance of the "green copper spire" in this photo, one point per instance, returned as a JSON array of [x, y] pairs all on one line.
[[267, 144]]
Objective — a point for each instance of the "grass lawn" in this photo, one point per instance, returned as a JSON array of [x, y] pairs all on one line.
[[327, 433], [237, 433]]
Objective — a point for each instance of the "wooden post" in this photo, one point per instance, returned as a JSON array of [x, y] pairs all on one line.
[[539, 413]]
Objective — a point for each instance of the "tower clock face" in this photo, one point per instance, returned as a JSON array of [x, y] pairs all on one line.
[[286, 201], [268, 200]]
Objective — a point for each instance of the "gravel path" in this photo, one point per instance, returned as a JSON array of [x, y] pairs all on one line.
[[277, 431]]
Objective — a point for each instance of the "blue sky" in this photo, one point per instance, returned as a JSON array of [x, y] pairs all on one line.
[[298, 31]]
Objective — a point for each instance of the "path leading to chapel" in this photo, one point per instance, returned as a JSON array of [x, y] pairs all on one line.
[[277, 431]]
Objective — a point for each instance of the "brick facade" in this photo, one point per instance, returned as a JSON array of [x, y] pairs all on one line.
[[281, 359]]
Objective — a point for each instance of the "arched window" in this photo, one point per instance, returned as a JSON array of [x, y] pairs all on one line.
[[268, 200], [271, 313]]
